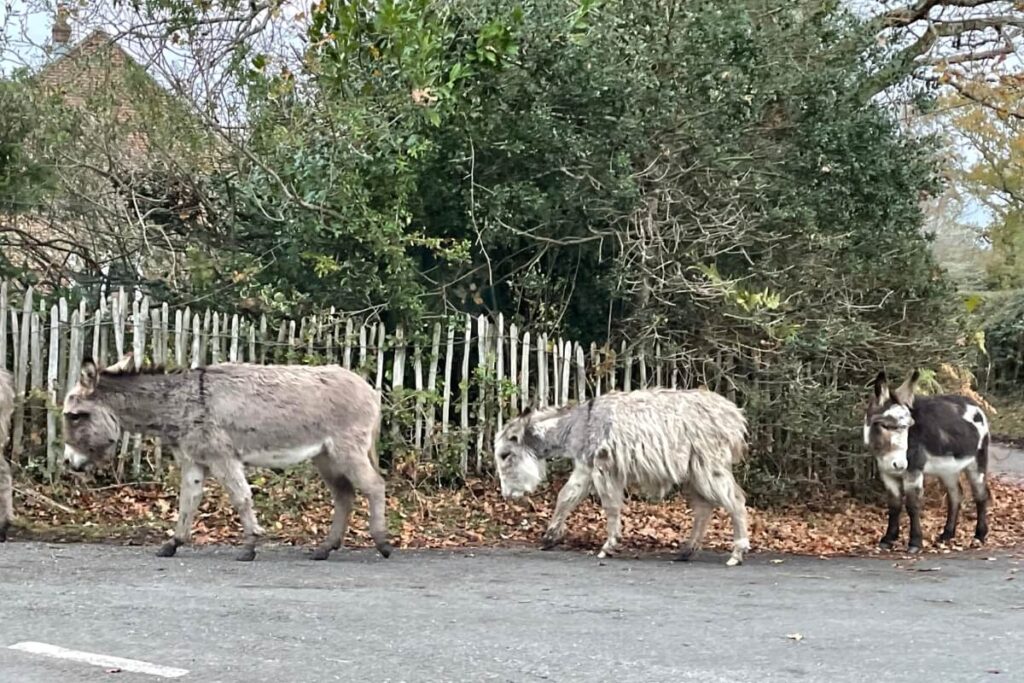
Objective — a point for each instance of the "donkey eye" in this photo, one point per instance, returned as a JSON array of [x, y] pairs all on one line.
[[513, 438], [77, 417]]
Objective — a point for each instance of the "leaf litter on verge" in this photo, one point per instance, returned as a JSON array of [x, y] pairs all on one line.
[[445, 518]]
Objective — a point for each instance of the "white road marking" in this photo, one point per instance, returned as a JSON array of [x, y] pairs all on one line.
[[105, 661]]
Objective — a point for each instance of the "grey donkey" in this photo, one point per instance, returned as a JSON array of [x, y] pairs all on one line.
[[6, 485], [656, 438], [220, 418]]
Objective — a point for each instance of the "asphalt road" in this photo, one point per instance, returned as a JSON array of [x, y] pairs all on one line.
[[507, 616], [1006, 461]]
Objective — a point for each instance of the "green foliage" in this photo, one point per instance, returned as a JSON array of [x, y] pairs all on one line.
[[27, 172], [318, 210], [1006, 266], [999, 317], [24, 180], [492, 156], [993, 173], [706, 174]]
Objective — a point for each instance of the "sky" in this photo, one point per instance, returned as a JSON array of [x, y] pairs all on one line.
[[24, 30]]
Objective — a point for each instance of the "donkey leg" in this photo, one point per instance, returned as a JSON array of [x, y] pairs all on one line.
[[572, 494], [231, 475], [894, 496], [6, 497], [344, 496], [192, 476], [702, 511], [366, 478], [913, 486], [611, 488], [718, 486], [737, 509], [979, 491], [954, 495]]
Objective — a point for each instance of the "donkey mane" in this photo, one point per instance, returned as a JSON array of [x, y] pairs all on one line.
[[148, 369], [548, 412]]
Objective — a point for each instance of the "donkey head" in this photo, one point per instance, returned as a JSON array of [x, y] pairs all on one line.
[[91, 429], [887, 423], [520, 467]]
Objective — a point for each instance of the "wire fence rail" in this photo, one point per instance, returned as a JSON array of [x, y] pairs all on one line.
[[447, 387]]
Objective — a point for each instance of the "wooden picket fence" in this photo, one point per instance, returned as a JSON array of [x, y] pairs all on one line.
[[447, 387]]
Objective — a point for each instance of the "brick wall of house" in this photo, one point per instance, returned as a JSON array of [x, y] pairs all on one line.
[[104, 83], [97, 75], [134, 130]]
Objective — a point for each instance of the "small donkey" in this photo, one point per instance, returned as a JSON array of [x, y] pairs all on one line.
[[911, 436], [656, 438], [219, 419]]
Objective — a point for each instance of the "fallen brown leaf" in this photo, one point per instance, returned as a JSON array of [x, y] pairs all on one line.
[[297, 510]]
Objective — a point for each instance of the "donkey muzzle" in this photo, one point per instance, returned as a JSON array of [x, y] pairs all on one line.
[[893, 463], [74, 458]]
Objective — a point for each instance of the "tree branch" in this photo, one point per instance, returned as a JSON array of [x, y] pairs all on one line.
[[907, 61], [911, 14], [965, 90]]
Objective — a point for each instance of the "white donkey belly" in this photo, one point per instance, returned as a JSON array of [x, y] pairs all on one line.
[[282, 457], [946, 466]]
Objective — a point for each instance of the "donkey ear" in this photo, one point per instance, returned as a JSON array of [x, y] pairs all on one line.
[[123, 366], [881, 385], [89, 375], [532, 408], [905, 394]]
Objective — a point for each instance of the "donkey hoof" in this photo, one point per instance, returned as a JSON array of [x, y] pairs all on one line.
[[977, 542], [321, 553], [246, 555], [734, 562], [3, 531], [885, 544], [549, 541], [945, 537], [168, 549], [685, 555], [913, 549], [385, 549]]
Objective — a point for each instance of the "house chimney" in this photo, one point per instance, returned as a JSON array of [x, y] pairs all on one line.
[[61, 34]]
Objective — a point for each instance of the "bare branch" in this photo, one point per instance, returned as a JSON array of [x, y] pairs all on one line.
[[991, 28], [982, 94], [919, 11]]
